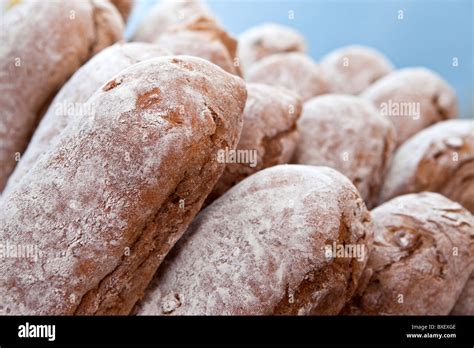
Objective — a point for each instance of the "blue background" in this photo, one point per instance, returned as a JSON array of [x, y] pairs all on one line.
[[431, 33]]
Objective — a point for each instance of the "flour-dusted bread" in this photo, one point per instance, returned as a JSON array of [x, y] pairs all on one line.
[[351, 69], [413, 99], [268, 137], [465, 302], [73, 96], [167, 14], [347, 133], [124, 7], [439, 159], [294, 71], [266, 247], [422, 257], [204, 38], [267, 39], [118, 188], [42, 44]]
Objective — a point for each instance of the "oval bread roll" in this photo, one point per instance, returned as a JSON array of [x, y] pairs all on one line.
[[413, 99], [294, 71], [347, 133], [167, 14], [261, 249], [267, 39], [72, 98], [465, 303], [268, 137], [351, 69], [43, 43], [119, 188], [422, 257], [438, 159]]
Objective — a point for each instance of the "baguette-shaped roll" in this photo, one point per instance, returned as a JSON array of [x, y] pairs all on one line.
[[267, 39], [422, 257], [42, 43], [114, 193], [294, 71], [413, 99], [72, 98], [268, 138], [270, 245], [351, 69], [439, 159], [167, 14], [347, 133]]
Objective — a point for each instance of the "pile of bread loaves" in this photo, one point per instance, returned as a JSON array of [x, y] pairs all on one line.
[[110, 150]]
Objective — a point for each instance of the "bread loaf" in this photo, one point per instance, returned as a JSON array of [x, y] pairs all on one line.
[[294, 71], [167, 14], [439, 159], [204, 38], [465, 303], [267, 39], [268, 137], [265, 247], [347, 133], [41, 45], [422, 257], [351, 69], [413, 99], [118, 188], [72, 98]]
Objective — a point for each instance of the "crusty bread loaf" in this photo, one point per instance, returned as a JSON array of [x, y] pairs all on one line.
[[124, 7], [167, 14], [118, 188], [351, 69], [262, 248], [41, 45], [294, 71], [347, 133], [202, 37], [267, 39], [268, 137], [72, 98], [439, 159], [465, 303], [422, 257], [413, 99]]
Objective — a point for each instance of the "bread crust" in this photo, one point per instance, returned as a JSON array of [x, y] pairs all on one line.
[[351, 69], [112, 188], [422, 257], [465, 303], [347, 133], [124, 7], [413, 99], [260, 249], [439, 159], [43, 44], [269, 129], [266, 39], [294, 71], [74, 95]]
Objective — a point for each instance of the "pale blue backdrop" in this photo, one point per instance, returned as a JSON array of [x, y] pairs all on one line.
[[431, 33]]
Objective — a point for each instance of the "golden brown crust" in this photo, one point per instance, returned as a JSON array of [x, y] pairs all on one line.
[[260, 249], [422, 257], [124, 7], [43, 44], [119, 188]]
